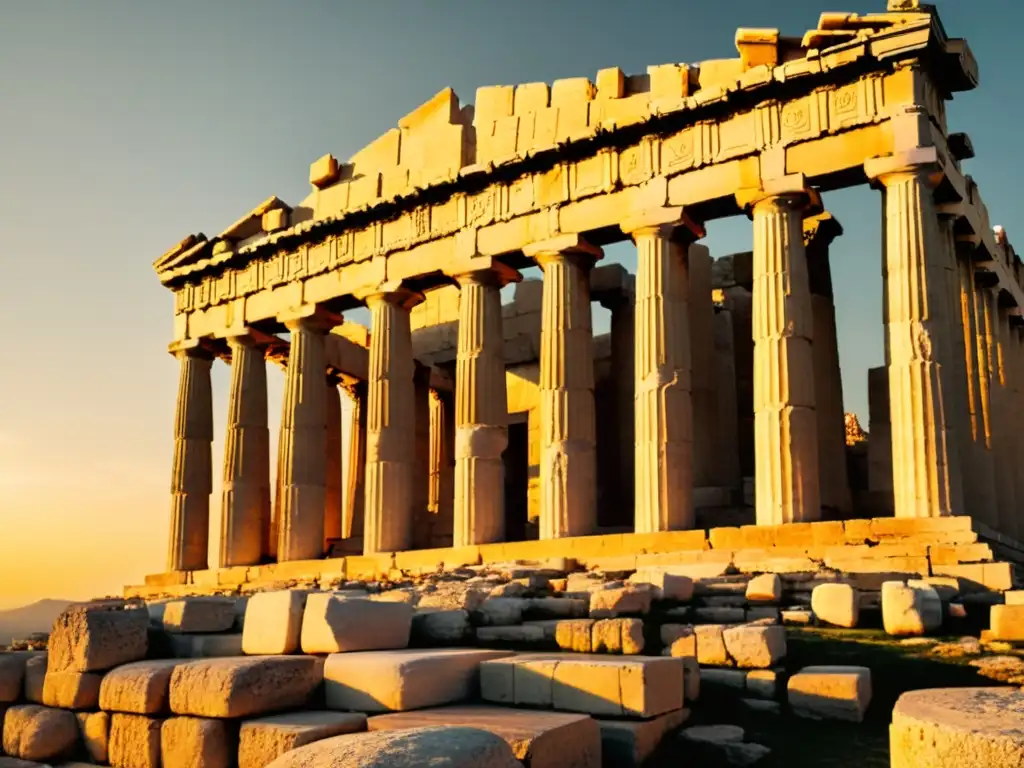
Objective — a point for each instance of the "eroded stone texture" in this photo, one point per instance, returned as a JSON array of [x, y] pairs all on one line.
[[134, 741], [830, 693], [140, 688], [910, 609], [71, 690], [243, 686], [836, 604], [261, 741], [95, 732], [199, 614], [273, 622], [334, 624], [537, 739], [197, 742], [88, 638], [39, 733], [958, 728], [451, 747], [12, 675]]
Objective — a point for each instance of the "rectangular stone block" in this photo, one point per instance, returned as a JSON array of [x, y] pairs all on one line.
[[197, 742], [206, 646], [39, 733], [71, 690], [261, 741], [273, 622], [628, 743], [199, 614], [89, 638], [538, 739], [1007, 622], [237, 687], [95, 730], [140, 688], [12, 675], [134, 741], [333, 623], [35, 677], [383, 681], [831, 693]]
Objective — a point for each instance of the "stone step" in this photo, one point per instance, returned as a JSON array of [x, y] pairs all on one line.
[[538, 739], [624, 686]]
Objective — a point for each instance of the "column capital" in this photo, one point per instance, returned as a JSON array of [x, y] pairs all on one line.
[[671, 222], [789, 191], [821, 229], [392, 292], [562, 247], [921, 162], [309, 316], [202, 349], [250, 337], [497, 275]]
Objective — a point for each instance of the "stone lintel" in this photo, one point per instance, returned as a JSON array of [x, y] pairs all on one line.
[[673, 221], [310, 316], [924, 160], [563, 245]]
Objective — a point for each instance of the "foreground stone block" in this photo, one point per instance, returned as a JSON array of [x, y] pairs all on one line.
[[35, 678], [39, 733], [837, 605], [12, 675], [755, 647], [628, 743], [680, 640], [134, 741], [447, 747], [910, 609], [273, 622], [91, 639], [831, 693], [334, 624], [617, 601], [262, 741], [537, 739], [635, 686], [766, 588], [71, 690], [1007, 622], [711, 649], [198, 614], [382, 681], [196, 742], [958, 728], [624, 636], [667, 586], [243, 686], [95, 731], [140, 688]]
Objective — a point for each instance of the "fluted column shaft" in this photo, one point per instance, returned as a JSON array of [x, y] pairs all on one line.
[[568, 463], [333, 464], [390, 425], [924, 458], [245, 506], [481, 413], [303, 455], [785, 423], [354, 458], [192, 472], [663, 412]]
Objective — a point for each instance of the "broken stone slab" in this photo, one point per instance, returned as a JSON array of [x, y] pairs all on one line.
[[383, 681], [680, 640], [241, 686], [134, 741], [12, 675], [263, 740], [628, 686], [438, 627], [625, 636], [139, 688], [273, 622], [755, 647], [90, 638], [450, 747], [830, 693], [629, 743], [206, 646], [538, 739], [1007, 622], [198, 615], [797, 617], [912, 608], [958, 728], [453, 599], [575, 635], [340, 625], [197, 742], [667, 586], [619, 601], [836, 605], [71, 690], [95, 731], [711, 650], [766, 588], [39, 733]]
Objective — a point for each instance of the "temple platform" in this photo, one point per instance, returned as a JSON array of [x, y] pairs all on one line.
[[953, 547]]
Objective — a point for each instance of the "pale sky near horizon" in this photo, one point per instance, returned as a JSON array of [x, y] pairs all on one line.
[[127, 124]]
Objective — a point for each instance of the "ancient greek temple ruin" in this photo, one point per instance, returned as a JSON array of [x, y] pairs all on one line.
[[456, 421]]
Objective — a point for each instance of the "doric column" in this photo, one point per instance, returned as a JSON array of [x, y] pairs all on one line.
[[353, 412], [663, 407], [390, 424], [623, 341], [303, 452], [834, 485], [245, 506], [924, 458], [192, 473], [568, 462], [481, 408], [332, 461], [785, 421], [1005, 424]]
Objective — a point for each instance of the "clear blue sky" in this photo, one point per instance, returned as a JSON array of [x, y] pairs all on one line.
[[127, 124]]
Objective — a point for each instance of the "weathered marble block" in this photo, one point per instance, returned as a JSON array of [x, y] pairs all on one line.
[[273, 622], [338, 625], [755, 647], [913, 608], [71, 690], [134, 741], [197, 742], [39, 733], [12, 675], [261, 741], [830, 693], [95, 730], [140, 688], [836, 604], [199, 614], [237, 687], [89, 638]]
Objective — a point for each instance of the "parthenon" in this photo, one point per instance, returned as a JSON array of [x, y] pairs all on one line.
[[455, 421]]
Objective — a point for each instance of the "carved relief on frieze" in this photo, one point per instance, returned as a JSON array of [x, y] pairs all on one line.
[[636, 163], [681, 151]]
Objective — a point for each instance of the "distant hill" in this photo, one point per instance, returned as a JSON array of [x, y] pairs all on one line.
[[37, 617]]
